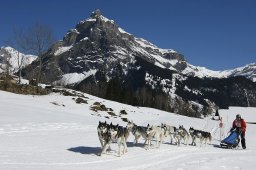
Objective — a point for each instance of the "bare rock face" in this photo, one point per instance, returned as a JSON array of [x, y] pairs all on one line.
[[96, 13], [71, 37]]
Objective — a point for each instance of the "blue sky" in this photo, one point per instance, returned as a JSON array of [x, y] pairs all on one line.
[[217, 34]]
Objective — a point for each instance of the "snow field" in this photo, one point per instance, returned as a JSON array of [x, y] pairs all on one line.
[[36, 134]]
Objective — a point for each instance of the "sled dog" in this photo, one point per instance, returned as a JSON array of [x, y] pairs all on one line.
[[155, 132], [117, 133], [170, 131], [103, 133], [137, 131], [201, 135], [182, 134]]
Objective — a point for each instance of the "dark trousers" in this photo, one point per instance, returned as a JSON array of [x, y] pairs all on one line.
[[243, 139]]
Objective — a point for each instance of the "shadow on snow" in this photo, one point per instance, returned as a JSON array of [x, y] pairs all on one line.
[[86, 150], [131, 144]]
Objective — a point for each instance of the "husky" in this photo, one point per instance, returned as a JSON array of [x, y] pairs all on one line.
[[137, 131], [117, 133], [155, 132], [103, 133], [183, 134], [170, 131], [202, 135]]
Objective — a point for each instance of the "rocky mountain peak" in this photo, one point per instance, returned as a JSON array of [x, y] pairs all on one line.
[[96, 14], [92, 28], [100, 39]]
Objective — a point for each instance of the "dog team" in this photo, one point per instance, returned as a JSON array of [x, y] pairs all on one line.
[[109, 133]]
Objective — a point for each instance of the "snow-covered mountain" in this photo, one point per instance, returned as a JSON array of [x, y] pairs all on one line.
[[248, 71], [100, 58], [100, 38], [11, 55], [97, 42]]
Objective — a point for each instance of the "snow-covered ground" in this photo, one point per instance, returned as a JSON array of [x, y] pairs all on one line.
[[53, 132]]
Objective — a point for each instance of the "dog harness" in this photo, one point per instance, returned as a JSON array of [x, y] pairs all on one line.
[[134, 129]]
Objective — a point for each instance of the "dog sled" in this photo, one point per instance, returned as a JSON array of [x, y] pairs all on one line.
[[232, 140]]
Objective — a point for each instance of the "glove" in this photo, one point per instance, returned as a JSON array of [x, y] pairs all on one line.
[[239, 130], [231, 129]]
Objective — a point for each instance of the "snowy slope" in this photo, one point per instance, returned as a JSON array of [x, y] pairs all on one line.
[[13, 54], [37, 134]]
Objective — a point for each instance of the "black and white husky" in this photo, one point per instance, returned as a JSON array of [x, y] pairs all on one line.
[[137, 131], [182, 134], [117, 134], [103, 133], [170, 131], [155, 132], [201, 135]]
